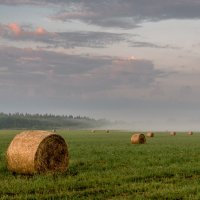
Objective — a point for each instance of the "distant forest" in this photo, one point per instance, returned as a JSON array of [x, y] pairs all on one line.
[[48, 121]]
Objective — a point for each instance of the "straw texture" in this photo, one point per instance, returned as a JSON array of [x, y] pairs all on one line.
[[37, 152]]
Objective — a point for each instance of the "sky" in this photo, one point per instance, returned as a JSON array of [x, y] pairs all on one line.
[[130, 60]]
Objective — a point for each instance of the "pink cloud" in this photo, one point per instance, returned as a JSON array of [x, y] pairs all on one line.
[[40, 31], [15, 28], [19, 31]]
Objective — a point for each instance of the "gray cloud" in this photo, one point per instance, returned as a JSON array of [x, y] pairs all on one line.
[[33, 2], [128, 14], [90, 39], [150, 45], [86, 39], [119, 13], [43, 71], [60, 39]]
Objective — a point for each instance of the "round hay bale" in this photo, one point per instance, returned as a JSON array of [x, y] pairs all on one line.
[[93, 131], [172, 133], [190, 133], [107, 131], [138, 139], [150, 134], [33, 152]]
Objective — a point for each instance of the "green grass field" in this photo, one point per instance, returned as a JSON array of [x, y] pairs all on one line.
[[107, 166]]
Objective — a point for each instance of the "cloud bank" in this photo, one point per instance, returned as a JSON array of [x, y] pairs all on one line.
[[92, 39], [118, 13]]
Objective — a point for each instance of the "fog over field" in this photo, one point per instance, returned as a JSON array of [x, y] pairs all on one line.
[[134, 61]]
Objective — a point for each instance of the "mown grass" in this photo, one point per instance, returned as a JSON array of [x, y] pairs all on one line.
[[106, 166]]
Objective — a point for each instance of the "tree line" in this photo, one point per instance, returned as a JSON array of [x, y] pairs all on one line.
[[47, 121]]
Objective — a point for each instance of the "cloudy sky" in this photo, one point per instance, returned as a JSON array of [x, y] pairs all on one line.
[[132, 60]]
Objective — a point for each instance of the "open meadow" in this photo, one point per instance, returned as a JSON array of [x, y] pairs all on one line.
[[107, 166]]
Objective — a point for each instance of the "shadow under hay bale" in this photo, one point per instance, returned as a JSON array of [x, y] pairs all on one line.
[[138, 139], [150, 134], [33, 152], [172, 133]]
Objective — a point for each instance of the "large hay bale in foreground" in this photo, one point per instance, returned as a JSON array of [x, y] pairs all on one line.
[[138, 139], [190, 133], [172, 133], [37, 152], [150, 134]]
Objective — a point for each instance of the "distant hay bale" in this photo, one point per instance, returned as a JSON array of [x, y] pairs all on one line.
[[150, 134], [138, 139], [172, 133], [190, 133], [93, 131], [107, 131], [54, 130], [33, 152]]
